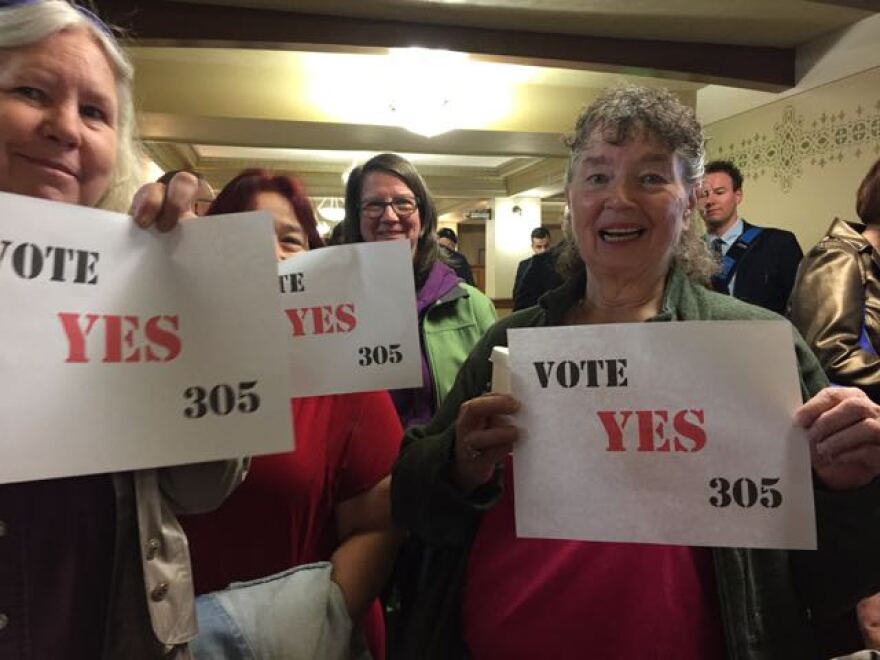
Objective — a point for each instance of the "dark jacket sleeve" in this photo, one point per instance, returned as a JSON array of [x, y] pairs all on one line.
[[827, 306], [465, 272], [423, 498], [790, 255], [521, 268], [845, 567]]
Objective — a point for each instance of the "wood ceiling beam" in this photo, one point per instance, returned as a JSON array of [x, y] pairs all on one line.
[[182, 24]]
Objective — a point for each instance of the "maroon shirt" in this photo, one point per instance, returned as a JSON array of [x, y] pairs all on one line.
[[56, 563]]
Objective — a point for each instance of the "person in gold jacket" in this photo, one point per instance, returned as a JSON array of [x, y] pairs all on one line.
[[835, 304]]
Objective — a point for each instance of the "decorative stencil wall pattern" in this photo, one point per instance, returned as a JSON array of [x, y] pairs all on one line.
[[796, 141]]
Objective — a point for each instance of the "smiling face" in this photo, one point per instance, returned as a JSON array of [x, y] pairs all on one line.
[[629, 205], [290, 237], [58, 119], [390, 225]]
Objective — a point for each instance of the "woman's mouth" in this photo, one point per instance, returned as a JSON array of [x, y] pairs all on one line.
[[51, 165], [620, 235]]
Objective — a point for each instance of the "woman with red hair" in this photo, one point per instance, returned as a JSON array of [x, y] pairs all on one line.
[[305, 506]]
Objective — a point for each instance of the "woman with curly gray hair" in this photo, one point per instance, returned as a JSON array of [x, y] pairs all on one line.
[[636, 160]]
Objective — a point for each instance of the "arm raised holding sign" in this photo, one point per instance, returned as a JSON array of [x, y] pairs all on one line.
[[632, 256], [100, 548]]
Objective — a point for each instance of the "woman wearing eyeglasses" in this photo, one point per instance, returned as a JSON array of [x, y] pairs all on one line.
[[385, 200]]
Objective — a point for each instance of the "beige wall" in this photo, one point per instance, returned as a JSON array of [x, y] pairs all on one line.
[[804, 156]]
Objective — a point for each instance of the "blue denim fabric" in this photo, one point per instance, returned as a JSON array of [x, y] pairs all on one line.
[[298, 614], [219, 635]]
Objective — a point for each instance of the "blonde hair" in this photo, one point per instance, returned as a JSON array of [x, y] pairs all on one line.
[[32, 22]]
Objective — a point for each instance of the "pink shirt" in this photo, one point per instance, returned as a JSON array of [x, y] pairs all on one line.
[[537, 598]]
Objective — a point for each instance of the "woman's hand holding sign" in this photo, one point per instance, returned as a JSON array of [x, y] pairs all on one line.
[[483, 437], [163, 206], [843, 426]]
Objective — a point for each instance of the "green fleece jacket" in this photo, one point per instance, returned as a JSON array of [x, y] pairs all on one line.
[[451, 328], [772, 602]]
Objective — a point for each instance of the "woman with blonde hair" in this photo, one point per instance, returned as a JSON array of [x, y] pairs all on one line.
[[93, 566]]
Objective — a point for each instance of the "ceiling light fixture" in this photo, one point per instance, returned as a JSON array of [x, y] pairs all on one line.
[[331, 209], [429, 106], [425, 91]]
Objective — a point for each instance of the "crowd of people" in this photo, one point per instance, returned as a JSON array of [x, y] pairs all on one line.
[[290, 555]]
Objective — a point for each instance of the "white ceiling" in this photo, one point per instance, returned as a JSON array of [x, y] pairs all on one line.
[[222, 108]]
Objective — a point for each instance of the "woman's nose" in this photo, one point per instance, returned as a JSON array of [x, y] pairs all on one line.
[[619, 194], [63, 124], [388, 214]]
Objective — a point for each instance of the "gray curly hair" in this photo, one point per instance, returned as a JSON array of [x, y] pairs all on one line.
[[620, 113]]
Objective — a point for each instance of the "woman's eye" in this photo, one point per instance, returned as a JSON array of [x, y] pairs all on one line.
[[93, 112], [31, 93], [597, 179], [654, 179]]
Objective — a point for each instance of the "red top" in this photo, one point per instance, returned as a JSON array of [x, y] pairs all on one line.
[[538, 598], [283, 513]]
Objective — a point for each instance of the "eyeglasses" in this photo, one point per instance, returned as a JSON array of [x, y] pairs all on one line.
[[403, 206], [87, 14]]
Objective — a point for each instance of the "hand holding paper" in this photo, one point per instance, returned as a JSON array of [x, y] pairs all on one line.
[[843, 426], [164, 206], [483, 437]]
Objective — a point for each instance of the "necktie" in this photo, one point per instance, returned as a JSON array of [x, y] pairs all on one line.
[[717, 282]]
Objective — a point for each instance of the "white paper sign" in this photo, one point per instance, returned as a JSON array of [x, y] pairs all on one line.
[[676, 433], [351, 319], [123, 349]]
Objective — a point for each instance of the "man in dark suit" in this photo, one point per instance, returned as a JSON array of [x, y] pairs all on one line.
[[758, 264], [540, 244], [539, 277]]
